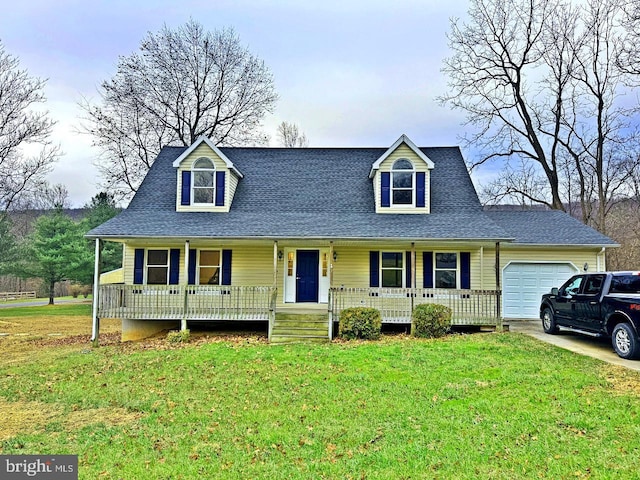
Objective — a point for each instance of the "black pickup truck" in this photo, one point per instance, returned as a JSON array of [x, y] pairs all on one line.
[[597, 304]]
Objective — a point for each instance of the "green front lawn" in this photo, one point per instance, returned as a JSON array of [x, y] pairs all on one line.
[[42, 313], [468, 406]]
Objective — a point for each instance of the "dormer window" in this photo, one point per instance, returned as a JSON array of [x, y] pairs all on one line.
[[401, 179], [203, 177], [402, 183]]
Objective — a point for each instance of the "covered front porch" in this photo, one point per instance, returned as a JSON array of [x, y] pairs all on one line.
[[259, 279], [183, 304]]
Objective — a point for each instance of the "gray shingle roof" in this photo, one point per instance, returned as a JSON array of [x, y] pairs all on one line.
[[312, 193], [548, 227]]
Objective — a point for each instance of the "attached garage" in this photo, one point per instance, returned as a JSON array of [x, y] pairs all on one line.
[[523, 284]]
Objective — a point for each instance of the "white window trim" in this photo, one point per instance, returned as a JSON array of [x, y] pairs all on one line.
[[413, 185], [219, 250], [457, 287], [146, 265], [404, 266], [193, 179]]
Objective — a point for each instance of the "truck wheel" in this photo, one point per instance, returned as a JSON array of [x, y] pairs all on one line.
[[548, 322], [624, 341]]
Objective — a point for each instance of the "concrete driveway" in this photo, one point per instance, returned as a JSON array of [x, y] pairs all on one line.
[[599, 348]]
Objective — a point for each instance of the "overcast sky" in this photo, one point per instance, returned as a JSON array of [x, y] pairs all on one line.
[[349, 72]]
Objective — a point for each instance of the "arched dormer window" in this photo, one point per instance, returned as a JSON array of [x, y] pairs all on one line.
[[402, 183], [203, 183]]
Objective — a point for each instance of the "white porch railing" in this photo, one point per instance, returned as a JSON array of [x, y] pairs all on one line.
[[469, 307], [194, 302]]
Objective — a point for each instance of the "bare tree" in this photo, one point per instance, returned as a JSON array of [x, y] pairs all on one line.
[[49, 197], [493, 55], [519, 185], [629, 59], [22, 130], [183, 84], [291, 137], [598, 131], [622, 226], [539, 80]]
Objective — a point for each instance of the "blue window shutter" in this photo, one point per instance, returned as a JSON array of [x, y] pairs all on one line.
[[409, 277], [185, 198], [220, 180], [138, 266], [427, 269], [226, 267], [374, 269], [174, 266], [385, 182], [465, 270], [420, 189], [191, 276]]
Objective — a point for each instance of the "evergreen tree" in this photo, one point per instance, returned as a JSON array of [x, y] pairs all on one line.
[[102, 207], [55, 251]]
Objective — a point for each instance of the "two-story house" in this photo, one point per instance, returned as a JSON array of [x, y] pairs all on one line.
[[237, 234]]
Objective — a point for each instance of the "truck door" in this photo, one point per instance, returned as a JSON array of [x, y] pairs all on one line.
[[587, 303], [566, 301]]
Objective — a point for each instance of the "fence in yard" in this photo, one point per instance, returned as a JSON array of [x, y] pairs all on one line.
[[4, 296]]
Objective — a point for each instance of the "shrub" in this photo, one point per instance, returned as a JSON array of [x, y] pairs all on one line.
[[75, 290], [360, 322], [431, 320], [178, 336]]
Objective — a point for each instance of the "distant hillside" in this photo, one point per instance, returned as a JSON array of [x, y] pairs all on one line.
[[23, 220]]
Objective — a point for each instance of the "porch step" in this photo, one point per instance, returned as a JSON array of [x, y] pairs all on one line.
[[300, 328], [282, 339]]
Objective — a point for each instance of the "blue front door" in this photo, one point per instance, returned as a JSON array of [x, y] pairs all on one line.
[[307, 275]]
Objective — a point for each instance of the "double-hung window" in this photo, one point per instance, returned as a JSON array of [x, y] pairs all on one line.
[[446, 270], [209, 267], [203, 186], [392, 269], [402, 183], [157, 267]]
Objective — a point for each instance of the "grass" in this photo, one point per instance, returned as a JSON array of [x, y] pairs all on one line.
[[467, 406], [41, 313]]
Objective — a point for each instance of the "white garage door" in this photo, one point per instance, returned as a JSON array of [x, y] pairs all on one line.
[[524, 283]]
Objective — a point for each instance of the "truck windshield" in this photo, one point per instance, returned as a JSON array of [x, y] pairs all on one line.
[[625, 284]]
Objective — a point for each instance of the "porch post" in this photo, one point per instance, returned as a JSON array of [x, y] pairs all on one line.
[[481, 268], [272, 313], [95, 331], [330, 299], [275, 264], [498, 290], [331, 264], [413, 282], [183, 322], [413, 265]]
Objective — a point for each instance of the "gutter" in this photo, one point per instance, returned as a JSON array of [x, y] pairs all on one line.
[[323, 238], [580, 245]]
